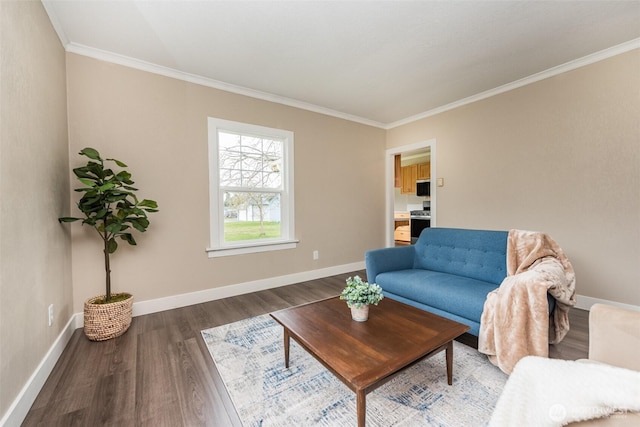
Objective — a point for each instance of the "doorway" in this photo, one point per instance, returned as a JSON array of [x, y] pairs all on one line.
[[408, 152]]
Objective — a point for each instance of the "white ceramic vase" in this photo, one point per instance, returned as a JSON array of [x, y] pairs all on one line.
[[360, 314]]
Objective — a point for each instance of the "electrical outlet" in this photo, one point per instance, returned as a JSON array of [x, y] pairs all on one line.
[[316, 255], [50, 314]]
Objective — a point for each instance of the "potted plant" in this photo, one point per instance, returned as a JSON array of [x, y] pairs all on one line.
[[110, 206], [359, 295]]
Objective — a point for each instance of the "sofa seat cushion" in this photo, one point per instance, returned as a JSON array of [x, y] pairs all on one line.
[[458, 295]]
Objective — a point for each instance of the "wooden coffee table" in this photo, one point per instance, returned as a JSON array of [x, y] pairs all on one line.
[[365, 355]]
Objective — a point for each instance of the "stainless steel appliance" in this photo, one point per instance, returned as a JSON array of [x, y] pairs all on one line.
[[419, 220]]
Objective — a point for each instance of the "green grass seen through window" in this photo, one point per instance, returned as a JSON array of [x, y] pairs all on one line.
[[250, 230]]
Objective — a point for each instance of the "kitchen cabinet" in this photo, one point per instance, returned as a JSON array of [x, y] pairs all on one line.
[[397, 171], [409, 178], [402, 230], [424, 170], [402, 234]]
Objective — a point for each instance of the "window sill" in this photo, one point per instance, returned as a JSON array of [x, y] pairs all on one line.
[[251, 248]]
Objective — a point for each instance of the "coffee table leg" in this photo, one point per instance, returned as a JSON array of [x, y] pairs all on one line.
[[450, 362], [286, 348], [361, 405]]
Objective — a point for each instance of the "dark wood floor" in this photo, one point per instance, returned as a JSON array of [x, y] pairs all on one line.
[[160, 373]]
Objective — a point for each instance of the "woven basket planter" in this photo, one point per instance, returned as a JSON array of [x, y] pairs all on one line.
[[105, 321]]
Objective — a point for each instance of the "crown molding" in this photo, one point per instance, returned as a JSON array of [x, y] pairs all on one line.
[[240, 90], [50, 9], [216, 84], [568, 66]]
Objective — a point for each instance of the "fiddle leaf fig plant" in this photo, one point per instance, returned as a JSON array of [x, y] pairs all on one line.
[[110, 206]]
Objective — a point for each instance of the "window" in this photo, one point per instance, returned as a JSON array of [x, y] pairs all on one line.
[[251, 188]]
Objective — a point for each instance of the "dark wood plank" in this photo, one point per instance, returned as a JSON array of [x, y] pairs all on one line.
[[194, 386], [160, 371], [156, 396], [575, 344], [113, 402]]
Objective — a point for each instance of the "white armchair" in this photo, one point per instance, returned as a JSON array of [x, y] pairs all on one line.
[[614, 339], [552, 392]]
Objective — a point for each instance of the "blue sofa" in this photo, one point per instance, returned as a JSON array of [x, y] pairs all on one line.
[[448, 272]]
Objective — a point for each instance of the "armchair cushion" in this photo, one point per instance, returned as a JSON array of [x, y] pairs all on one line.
[[550, 392]]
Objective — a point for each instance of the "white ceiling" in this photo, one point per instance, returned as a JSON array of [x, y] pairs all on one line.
[[377, 62]]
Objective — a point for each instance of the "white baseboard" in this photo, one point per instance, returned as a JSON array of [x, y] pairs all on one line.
[[183, 300], [21, 405]]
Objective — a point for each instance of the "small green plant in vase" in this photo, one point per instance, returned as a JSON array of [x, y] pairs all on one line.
[[359, 295]]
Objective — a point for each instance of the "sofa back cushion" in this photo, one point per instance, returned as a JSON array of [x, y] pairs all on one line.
[[477, 254]]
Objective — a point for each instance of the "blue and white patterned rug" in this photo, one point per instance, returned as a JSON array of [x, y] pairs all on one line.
[[250, 358]]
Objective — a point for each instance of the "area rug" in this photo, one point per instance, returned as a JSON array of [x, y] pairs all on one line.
[[250, 358]]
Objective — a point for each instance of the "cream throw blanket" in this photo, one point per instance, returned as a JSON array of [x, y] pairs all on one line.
[[515, 320], [550, 392]]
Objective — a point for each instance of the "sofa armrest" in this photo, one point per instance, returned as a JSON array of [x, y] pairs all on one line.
[[388, 259], [614, 336]]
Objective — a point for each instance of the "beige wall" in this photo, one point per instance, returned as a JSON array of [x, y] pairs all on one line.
[[35, 268], [562, 156], [158, 126]]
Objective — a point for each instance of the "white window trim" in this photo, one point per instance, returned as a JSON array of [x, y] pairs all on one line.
[[218, 247]]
